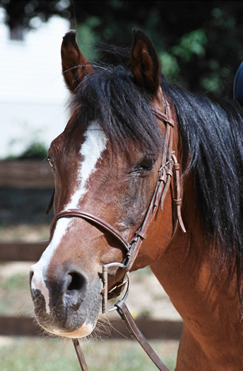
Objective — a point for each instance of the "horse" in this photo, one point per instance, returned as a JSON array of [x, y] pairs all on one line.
[[130, 134]]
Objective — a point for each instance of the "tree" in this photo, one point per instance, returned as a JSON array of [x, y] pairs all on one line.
[[21, 13], [200, 43]]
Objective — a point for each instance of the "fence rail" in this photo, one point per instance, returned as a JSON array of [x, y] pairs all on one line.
[[37, 174], [21, 251], [152, 329], [25, 174]]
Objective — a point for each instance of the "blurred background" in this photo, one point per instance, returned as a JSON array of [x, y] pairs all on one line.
[[200, 45]]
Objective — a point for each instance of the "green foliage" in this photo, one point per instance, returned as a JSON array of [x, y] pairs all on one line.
[[200, 43], [212, 83], [170, 66], [87, 37], [36, 151], [191, 43]]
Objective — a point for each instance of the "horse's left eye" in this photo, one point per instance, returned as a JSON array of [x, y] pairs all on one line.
[[50, 161]]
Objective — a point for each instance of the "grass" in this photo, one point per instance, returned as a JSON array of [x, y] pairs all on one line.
[[15, 295], [33, 354]]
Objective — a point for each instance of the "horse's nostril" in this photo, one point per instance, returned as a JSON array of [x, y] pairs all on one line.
[[76, 289], [77, 282]]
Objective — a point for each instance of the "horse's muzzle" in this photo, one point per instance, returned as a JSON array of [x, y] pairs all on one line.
[[65, 302]]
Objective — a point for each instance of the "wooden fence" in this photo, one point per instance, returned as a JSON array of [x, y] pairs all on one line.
[[36, 174], [25, 174]]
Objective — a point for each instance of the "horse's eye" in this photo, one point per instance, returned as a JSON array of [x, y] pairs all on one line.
[[50, 161], [146, 164]]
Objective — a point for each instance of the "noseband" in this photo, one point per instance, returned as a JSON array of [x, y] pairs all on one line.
[[169, 167]]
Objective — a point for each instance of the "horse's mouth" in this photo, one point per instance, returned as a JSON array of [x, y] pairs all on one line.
[[65, 320]]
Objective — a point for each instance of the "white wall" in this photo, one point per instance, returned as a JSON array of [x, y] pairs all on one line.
[[33, 97]]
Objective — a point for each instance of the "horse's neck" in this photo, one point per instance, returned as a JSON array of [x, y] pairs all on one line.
[[207, 303], [188, 264], [203, 295]]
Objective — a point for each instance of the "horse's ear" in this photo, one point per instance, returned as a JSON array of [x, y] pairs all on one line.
[[145, 63], [74, 65]]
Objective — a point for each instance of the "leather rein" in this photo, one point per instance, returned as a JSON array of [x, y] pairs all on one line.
[[169, 168]]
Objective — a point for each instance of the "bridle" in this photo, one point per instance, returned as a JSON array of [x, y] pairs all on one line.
[[169, 168]]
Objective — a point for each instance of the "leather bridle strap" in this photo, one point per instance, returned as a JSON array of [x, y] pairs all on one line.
[[134, 332], [137, 335], [91, 219], [161, 188], [80, 355]]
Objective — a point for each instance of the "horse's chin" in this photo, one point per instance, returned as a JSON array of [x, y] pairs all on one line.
[[71, 329], [85, 330]]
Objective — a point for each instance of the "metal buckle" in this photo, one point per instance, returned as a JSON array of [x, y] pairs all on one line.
[[105, 291]]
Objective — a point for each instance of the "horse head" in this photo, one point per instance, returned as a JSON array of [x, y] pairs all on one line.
[[105, 164]]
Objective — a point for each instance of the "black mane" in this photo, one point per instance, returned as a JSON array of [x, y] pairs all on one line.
[[212, 135]]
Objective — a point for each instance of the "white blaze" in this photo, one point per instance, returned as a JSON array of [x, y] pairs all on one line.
[[91, 150]]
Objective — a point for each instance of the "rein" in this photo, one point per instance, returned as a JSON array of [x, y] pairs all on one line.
[[169, 167]]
